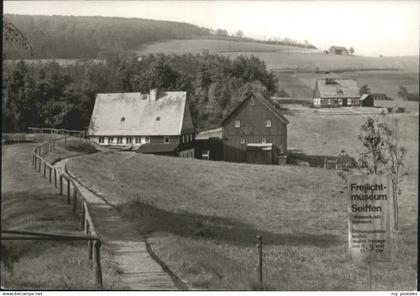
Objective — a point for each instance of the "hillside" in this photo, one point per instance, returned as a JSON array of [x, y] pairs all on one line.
[[91, 37], [202, 219], [281, 57], [301, 85]]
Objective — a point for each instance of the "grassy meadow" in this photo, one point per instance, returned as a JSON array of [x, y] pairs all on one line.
[[280, 57], [202, 219], [312, 133], [30, 203]]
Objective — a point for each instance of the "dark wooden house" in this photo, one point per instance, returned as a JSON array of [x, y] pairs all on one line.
[[159, 120], [367, 100], [255, 131]]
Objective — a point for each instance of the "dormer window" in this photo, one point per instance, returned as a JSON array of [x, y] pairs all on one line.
[[158, 118], [237, 123], [252, 103], [268, 123], [122, 119], [339, 91]]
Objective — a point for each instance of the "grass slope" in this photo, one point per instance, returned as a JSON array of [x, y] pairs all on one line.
[[279, 57], [314, 134], [202, 219], [30, 203]]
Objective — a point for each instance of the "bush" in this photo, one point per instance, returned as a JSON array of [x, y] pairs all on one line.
[[84, 147]]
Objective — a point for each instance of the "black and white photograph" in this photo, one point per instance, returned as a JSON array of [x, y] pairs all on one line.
[[210, 146]]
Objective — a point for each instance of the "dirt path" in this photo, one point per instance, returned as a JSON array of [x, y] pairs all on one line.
[[139, 271]]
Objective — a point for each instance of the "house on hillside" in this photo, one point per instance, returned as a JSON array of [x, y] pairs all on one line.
[[366, 100], [331, 92], [380, 97], [156, 122], [255, 131], [413, 97], [339, 50]]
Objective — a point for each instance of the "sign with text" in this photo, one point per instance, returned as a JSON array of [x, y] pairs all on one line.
[[369, 218]]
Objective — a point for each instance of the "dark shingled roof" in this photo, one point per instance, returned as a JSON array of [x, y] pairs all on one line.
[[152, 148]]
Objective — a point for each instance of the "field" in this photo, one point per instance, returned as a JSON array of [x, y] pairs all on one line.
[[279, 57], [314, 134], [301, 85], [202, 218], [30, 203]]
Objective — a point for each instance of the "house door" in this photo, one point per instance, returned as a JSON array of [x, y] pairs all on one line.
[[344, 102]]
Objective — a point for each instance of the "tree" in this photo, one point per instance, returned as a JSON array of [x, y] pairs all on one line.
[[403, 92], [239, 34], [394, 137], [364, 89], [351, 49], [221, 32], [372, 158], [13, 35], [384, 152]]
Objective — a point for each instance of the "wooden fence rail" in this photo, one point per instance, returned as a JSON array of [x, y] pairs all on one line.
[[40, 164], [44, 130]]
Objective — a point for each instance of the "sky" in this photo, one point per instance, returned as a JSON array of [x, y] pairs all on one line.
[[389, 28]]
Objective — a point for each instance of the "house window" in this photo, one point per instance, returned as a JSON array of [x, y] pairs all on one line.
[[340, 102], [263, 140], [268, 140], [349, 102], [129, 140], [147, 139], [166, 140], [101, 140], [137, 139], [252, 102], [119, 140], [329, 101], [268, 123], [183, 138], [190, 137], [237, 123], [242, 141], [110, 140]]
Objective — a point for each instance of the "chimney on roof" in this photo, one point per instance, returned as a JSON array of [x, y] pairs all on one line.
[[154, 94]]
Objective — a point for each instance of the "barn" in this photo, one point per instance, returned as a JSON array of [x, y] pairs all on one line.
[[330, 92], [339, 50], [158, 122], [255, 131], [367, 100]]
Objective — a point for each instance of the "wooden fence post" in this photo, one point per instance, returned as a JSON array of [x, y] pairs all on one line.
[[45, 168], [50, 175], [61, 184], [87, 230], [260, 262], [39, 164], [68, 191], [74, 199], [55, 177], [82, 214], [98, 269]]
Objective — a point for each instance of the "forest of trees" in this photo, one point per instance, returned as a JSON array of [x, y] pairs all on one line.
[[50, 95], [74, 37]]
